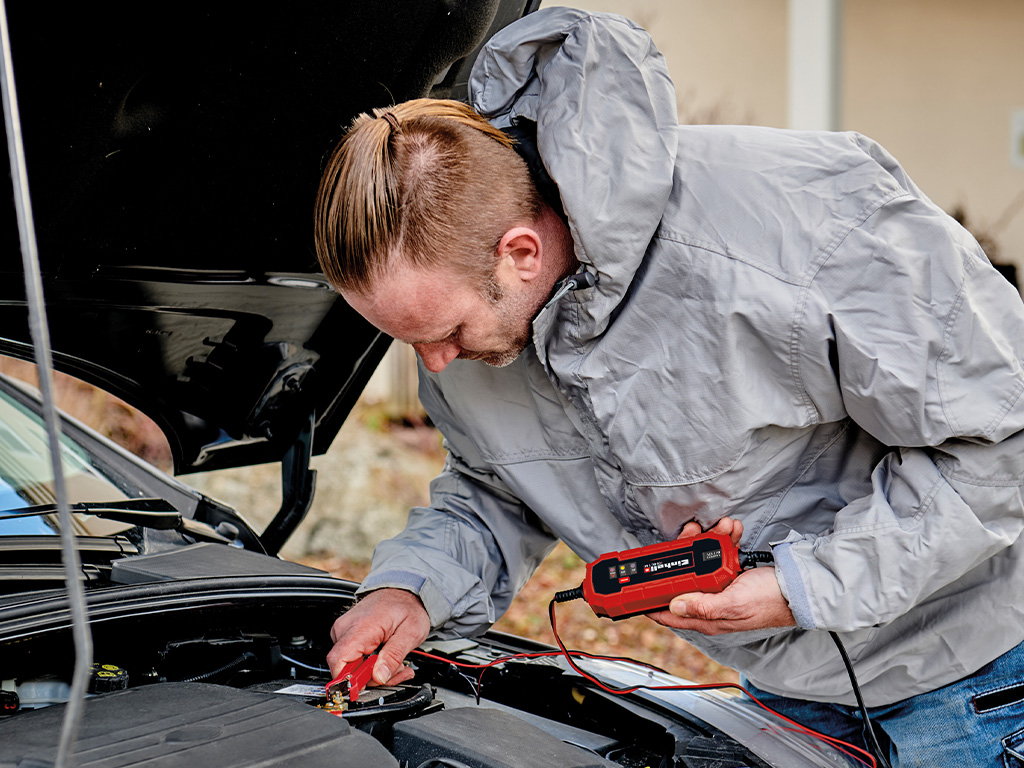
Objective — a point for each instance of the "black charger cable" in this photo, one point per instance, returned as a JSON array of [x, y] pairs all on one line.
[[750, 560], [868, 725]]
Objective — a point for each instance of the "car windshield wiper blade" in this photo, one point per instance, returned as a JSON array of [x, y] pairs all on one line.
[[157, 514], [147, 513]]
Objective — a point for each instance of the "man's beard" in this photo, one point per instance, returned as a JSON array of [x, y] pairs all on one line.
[[511, 353], [516, 312]]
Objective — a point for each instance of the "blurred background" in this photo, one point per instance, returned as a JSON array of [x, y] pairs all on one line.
[[937, 82]]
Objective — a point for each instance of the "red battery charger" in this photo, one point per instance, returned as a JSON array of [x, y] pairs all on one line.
[[636, 581]]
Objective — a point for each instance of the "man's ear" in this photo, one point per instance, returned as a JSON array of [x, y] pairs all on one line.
[[520, 249]]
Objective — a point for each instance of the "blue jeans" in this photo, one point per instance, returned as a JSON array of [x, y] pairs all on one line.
[[975, 722]]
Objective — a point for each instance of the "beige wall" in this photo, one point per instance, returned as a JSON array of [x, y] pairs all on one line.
[[727, 57], [935, 81]]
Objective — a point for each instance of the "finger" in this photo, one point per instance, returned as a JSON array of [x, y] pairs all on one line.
[[723, 526], [404, 673], [412, 631], [668, 619], [702, 606], [357, 639], [341, 625], [337, 629], [356, 644], [665, 618], [356, 634], [357, 613], [730, 527], [737, 532], [689, 530]]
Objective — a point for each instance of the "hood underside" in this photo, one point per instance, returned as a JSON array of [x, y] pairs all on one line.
[[173, 155]]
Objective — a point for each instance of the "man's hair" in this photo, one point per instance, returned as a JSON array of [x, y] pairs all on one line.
[[429, 179]]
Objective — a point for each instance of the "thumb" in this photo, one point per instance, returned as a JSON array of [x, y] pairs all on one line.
[[410, 632], [382, 670], [391, 668], [389, 661]]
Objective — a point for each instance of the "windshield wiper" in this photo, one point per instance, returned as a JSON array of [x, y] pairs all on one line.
[[156, 514]]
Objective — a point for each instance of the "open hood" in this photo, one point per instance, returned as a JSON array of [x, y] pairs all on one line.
[[173, 155]]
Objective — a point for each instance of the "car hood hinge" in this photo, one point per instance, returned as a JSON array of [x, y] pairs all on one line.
[[298, 482]]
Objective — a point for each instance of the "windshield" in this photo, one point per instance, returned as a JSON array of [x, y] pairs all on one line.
[[26, 476]]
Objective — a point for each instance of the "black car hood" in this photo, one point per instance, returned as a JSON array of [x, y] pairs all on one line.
[[173, 154]]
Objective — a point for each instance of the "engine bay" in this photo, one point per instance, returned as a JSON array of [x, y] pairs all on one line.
[[231, 672]]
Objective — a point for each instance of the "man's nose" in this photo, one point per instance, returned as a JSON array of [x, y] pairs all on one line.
[[436, 356]]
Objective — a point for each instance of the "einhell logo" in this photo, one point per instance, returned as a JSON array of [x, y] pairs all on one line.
[[713, 555], [664, 565]]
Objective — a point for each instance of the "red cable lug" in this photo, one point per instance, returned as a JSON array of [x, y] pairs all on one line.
[[357, 674], [361, 677]]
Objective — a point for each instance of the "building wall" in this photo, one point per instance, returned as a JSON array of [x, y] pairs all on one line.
[[727, 57], [937, 82]]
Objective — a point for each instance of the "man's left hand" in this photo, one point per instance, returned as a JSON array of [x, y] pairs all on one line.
[[753, 601]]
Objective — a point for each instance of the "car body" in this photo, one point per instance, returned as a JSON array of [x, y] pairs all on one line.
[[173, 154]]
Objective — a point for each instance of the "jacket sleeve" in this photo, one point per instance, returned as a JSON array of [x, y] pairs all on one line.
[[925, 341], [469, 553]]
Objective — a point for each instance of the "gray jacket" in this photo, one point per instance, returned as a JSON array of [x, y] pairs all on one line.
[[784, 330]]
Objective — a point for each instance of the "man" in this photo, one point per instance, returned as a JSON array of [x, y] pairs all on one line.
[[769, 333]]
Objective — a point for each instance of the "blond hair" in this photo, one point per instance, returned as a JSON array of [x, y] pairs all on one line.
[[429, 179]]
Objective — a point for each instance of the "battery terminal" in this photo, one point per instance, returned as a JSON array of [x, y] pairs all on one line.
[[344, 690]]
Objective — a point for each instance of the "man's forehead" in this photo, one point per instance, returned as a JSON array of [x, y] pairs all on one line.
[[411, 303], [401, 280]]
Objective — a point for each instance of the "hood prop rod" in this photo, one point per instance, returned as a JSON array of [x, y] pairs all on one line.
[[80, 631], [298, 482]]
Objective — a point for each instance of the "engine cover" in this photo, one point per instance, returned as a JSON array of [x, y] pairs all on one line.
[[191, 724], [480, 737]]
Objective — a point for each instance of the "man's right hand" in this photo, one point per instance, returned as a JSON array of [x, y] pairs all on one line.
[[390, 619]]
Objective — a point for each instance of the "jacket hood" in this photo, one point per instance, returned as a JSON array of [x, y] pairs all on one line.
[[605, 108]]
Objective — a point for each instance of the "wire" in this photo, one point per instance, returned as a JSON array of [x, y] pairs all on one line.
[[298, 663], [799, 727], [751, 559], [851, 750], [247, 656], [484, 667], [568, 595], [868, 726]]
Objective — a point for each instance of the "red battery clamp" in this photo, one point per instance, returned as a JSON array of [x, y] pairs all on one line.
[[623, 584]]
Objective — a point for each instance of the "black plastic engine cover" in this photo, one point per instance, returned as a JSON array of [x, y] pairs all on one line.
[[193, 725], [480, 737]]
